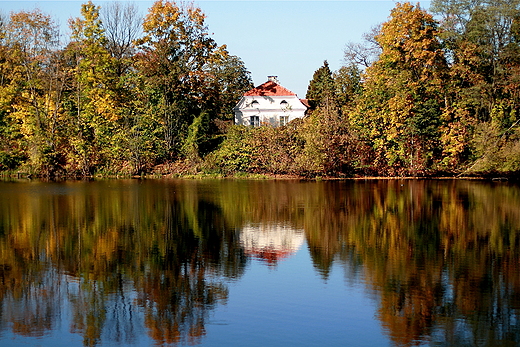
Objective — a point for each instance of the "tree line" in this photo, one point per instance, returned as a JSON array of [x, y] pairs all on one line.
[[426, 93], [124, 94], [442, 95]]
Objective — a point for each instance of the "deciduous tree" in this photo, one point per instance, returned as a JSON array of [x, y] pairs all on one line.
[[403, 95], [93, 106], [33, 89], [482, 44], [175, 51]]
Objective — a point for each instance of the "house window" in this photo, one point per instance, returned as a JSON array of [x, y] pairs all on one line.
[[254, 121], [255, 103], [284, 120]]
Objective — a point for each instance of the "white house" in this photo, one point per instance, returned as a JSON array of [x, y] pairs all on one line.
[[269, 104], [271, 242]]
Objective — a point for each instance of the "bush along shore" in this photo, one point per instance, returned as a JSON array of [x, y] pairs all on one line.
[[428, 93]]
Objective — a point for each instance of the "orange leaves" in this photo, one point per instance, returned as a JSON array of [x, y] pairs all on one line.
[[33, 32], [80, 104], [176, 38]]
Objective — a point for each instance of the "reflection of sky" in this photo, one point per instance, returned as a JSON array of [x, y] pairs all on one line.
[[291, 305], [286, 305], [123, 325]]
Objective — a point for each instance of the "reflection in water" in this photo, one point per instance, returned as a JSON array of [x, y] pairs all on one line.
[[32, 308], [119, 255], [270, 242], [119, 259]]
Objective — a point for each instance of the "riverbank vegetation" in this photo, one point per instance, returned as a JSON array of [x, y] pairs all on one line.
[[429, 92]]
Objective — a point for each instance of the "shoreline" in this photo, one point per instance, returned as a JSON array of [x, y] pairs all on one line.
[[250, 176]]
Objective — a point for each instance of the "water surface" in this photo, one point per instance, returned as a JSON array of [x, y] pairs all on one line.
[[260, 263]]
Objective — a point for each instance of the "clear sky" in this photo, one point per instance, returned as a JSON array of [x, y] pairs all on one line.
[[289, 39]]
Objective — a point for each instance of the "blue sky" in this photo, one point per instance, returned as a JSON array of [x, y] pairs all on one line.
[[289, 39]]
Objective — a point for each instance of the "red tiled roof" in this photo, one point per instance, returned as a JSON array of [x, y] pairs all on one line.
[[305, 103], [269, 88], [269, 254]]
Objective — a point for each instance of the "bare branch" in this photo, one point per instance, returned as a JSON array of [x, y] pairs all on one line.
[[363, 54], [122, 24]]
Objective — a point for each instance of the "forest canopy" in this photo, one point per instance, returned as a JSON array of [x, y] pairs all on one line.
[[428, 92], [124, 95]]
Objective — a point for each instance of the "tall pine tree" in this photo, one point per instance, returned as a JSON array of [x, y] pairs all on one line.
[[321, 88]]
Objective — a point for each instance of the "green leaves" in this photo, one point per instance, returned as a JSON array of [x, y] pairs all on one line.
[[32, 81], [110, 101], [188, 73], [433, 96], [321, 87], [94, 112], [403, 95]]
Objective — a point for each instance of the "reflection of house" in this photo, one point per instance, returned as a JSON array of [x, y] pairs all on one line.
[[270, 242], [269, 104]]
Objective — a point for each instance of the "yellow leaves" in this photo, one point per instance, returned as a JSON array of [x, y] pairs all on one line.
[[34, 33], [409, 39], [89, 11], [94, 71], [177, 27], [454, 134], [89, 27], [105, 107], [196, 14], [168, 21], [403, 89], [219, 56], [160, 18], [7, 95]]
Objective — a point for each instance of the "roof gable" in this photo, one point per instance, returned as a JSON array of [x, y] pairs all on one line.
[[269, 88]]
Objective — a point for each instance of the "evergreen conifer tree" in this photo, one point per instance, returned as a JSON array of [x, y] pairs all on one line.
[[321, 88]]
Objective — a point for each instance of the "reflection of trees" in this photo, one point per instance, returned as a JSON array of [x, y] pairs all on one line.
[[117, 252], [441, 258], [177, 290], [176, 304], [89, 311], [33, 306]]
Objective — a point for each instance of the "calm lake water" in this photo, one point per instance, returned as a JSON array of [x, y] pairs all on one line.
[[260, 263]]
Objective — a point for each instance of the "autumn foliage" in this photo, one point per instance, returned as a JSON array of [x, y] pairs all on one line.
[[113, 100], [425, 96], [428, 93]]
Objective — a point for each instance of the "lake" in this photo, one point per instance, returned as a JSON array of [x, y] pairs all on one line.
[[260, 263]]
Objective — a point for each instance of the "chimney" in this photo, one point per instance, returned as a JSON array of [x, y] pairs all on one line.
[[273, 79]]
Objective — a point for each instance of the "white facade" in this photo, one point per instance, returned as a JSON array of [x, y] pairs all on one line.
[[268, 104], [271, 242], [258, 110]]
